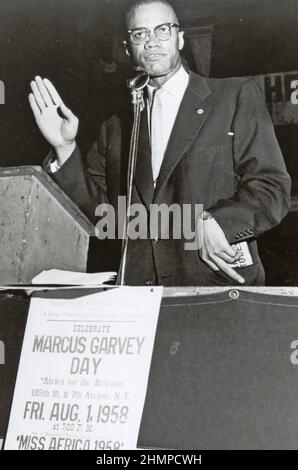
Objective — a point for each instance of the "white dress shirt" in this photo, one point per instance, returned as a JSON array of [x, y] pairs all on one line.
[[170, 97]]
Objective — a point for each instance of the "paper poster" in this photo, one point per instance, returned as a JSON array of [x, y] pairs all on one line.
[[83, 371]]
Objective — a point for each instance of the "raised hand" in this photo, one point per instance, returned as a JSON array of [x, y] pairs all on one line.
[[59, 132]]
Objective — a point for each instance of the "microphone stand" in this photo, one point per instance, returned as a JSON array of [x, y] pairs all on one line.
[[136, 86]]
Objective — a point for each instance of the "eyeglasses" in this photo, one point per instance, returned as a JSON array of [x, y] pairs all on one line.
[[163, 32]]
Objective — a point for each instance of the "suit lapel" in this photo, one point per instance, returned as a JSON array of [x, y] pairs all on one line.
[[191, 116]]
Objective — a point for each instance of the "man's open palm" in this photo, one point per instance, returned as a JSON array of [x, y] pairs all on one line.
[[44, 101]]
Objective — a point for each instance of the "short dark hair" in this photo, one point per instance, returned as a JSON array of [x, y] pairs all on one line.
[[137, 3]]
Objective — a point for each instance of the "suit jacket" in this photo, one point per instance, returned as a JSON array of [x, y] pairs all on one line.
[[222, 153]]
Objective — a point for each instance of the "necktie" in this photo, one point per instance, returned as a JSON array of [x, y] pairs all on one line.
[[156, 134]]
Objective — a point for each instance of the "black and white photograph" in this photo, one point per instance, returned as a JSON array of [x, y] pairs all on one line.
[[148, 225]]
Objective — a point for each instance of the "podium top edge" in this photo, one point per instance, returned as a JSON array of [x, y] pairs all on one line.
[[41, 175], [21, 170]]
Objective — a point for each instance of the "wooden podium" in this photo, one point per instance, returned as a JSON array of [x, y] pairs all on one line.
[[40, 227]]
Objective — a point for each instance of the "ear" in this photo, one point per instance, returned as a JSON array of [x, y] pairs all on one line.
[[126, 47], [180, 40]]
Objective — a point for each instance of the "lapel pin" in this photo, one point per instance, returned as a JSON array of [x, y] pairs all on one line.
[[230, 133], [200, 111]]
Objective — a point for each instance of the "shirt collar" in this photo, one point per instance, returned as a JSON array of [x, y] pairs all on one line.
[[176, 85]]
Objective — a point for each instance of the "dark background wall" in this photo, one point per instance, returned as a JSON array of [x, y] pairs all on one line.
[[64, 40]]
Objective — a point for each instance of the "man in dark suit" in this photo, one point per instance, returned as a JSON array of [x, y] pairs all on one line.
[[202, 141]]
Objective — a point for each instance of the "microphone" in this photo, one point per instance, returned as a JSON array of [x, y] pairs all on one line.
[[139, 82], [136, 86]]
